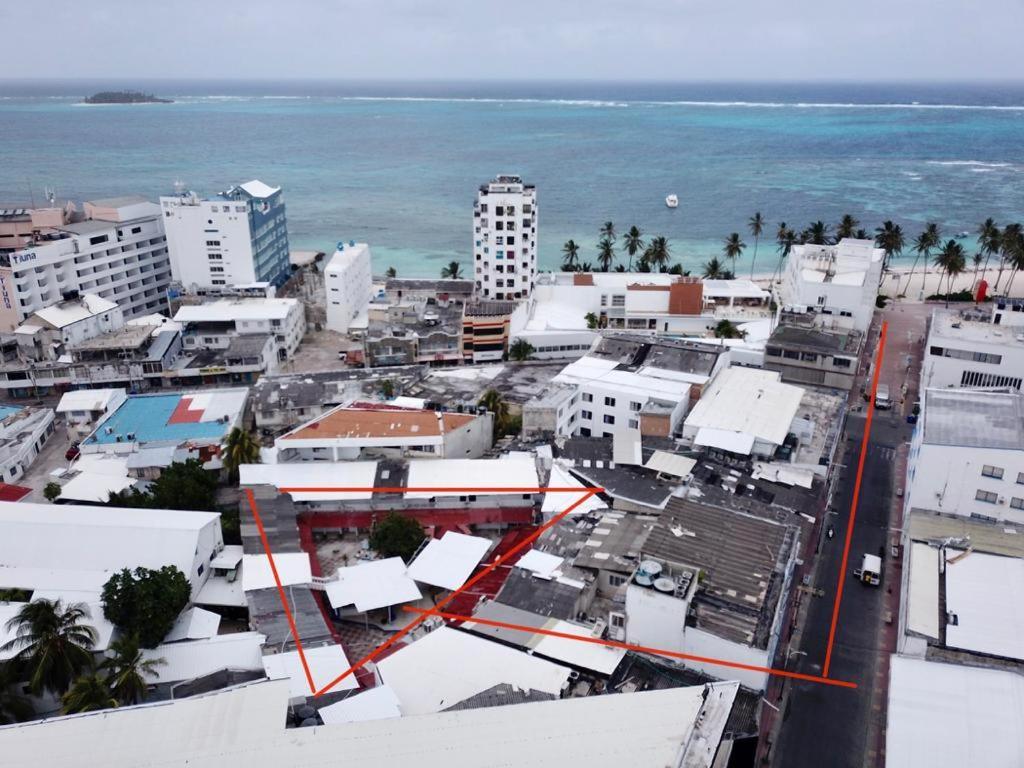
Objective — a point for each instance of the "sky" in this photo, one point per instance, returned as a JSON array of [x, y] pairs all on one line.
[[675, 40]]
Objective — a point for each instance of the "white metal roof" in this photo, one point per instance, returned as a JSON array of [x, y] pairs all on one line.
[[725, 439], [218, 591], [378, 703], [540, 563], [194, 624], [984, 592], [246, 726], [257, 188], [325, 662], [314, 474], [923, 593], [292, 568], [88, 399], [747, 400], [671, 464], [951, 716], [372, 585], [230, 310], [190, 659], [515, 472], [448, 666], [558, 501], [229, 557], [95, 486], [447, 562], [598, 658], [740, 288], [67, 312], [626, 447]]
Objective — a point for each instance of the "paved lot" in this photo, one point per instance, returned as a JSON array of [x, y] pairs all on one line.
[[49, 459]]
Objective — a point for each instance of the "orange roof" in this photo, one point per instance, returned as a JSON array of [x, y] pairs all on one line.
[[359, 422]]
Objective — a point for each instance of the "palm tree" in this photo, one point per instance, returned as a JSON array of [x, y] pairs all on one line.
[[988, 242], [605, 254], [89, 693], [391, 272], [240, 448], [861, 234], [733, 247], [608, 231], [520, 350], [1016, 247], [657, 253], [929, 238], [592, 320], [1007, 241], [453, 271], [128, 669], [817, 233], [889, 237], [633, 243], [571, 252], [712, 269], [495, 403], [952, 260], [756, 226], [727, 329], [14, 707], [847, 227], [51, 639]]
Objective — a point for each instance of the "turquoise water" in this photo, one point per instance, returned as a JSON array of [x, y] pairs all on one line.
[[147, 416], [398, 165]]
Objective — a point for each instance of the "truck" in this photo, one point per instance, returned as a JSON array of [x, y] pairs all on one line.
[[882, 401], [870, 571]]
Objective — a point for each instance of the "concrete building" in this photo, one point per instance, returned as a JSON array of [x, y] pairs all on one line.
[[48, 332], [409, 333], [84, 407], [23, 431], [837, 283], [365, 430], [485, 330], [966, 348], [814, 356], [21, 226], [238, 237], [218, 324], [348, 278], [416, 290], [119, 252], [505, 239], [967, 455]]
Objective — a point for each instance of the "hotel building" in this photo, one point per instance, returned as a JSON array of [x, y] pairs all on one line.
[[505, 239]]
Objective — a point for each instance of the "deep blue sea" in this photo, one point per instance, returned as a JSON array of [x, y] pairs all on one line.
[[398, 164]]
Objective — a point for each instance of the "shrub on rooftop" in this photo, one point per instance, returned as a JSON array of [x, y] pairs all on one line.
[[145, 603]]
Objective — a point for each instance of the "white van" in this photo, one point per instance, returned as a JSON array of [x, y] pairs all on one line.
[[882, 401]]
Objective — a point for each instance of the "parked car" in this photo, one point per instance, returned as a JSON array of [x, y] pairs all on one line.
[[73, 452]]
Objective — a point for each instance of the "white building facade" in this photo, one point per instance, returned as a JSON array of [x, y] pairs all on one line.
[[838, 283], [238, 237], [213, 325], [119, 253], [348, 278], [505, 239], [967, 349]]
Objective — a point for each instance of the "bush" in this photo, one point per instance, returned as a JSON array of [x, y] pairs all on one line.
[[958, 296], [183, 485], [881, 300], [396, 536], [145, 603], [51, 491]]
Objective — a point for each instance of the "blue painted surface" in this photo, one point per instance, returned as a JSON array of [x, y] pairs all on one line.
[[7, 410], [147, 418]]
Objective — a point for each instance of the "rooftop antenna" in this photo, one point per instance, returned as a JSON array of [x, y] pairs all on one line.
[[51, 195], [179, 187]]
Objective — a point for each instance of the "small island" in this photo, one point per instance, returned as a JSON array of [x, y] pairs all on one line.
[[125, 97]]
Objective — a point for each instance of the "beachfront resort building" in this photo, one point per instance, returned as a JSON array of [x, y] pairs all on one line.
[[118, 252], [966, 348], [967, 455], [237, 237], [348, 279], [505, 238], [837, 283]]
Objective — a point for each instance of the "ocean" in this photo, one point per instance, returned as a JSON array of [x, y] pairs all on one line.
[[398, 164]]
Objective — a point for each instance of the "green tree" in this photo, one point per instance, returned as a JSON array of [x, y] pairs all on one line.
[[608, 231], [52, 491], [53, 642], [240, 448], [726, 329], [605, 254], [847, 227], [570, 256], [633, 242], [816, 233], [756, 226], [657, 253], [929, 238], [182, 485], [592, 320], [1016, 250], [89, 693], [785, 238], [952, 260], [520, 350], [495, 403], [387, 389], [988, 242], [713, 269], [14, 706], [145, 603], [733, 248], [127, 670], [391, 272], [453, 271], [397, 536], [1007, 243], [889, 237]]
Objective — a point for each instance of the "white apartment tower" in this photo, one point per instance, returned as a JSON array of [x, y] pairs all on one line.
[[348, 280], [505, 239]]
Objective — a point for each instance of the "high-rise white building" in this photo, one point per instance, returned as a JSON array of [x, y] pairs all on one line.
[[119, 252], [505, 239], [238, 237], [348, 281]]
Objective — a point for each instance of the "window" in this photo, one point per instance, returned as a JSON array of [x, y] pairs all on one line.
[[212, 243], [791, 354], [610, 402], [841, 362], [634, 424], [608, 419], [215, 257], [809, 357], [987, 496], [989, 471], [634, 406], [773, 352], [216, 269], [1020, 478], [1017, 503], [614, 580], [98, 239], [586, 415], [587, 397]]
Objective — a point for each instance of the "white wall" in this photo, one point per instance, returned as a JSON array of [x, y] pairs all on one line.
[[486, 248], [942, 371], [191, 223], [348, 279]]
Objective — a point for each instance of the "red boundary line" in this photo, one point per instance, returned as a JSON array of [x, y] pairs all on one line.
[[631, 647], [855, 499]]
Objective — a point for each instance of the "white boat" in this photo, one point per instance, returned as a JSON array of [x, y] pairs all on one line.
[[672, 201]]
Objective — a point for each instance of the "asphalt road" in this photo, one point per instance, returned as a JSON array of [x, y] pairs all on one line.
[[824, 725]]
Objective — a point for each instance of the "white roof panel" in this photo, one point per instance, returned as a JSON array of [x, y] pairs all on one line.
[[372, 585], [257, 188], [229, 557], [314, 474], [558, 501], [292, 568], [923, 597], [540, 563], [984, 591], [231, 310], [593, 656], [325, 663], [379, 703], [194, 624], [447, 666], [88, 399], [95, 487], [513, 472], [447, 562], [725, 439], [190, 659], [219, 591], [671, 464], [626, 447]]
